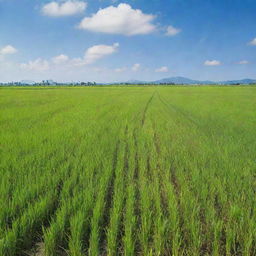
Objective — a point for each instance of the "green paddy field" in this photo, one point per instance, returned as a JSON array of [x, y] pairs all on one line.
[[128, 171]]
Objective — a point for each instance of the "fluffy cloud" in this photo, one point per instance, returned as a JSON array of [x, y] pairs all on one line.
[[8, 49], [119, 20], [162, 69], [243, 62], [68, 8], [37, 65], [253, 42], [97, 52], [172, 31], [91, 55], [60, 59], [212, 63], [136, 67]]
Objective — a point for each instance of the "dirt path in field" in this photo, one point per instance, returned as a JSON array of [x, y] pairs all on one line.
[[176, 109], [146, 109]]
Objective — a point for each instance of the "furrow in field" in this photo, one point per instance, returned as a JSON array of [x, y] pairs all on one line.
[[174, 108], [97, 220], [139, 193], [146, 109], [187, 211], [114, 229], [177, 184], [70, 227], [79, 221], [145, 211], [55, 239], [203, 227], [167, 236], [129, 219], [127, 170], [159, 221], [176, 180], [26, 198], [145, 203], [27, 226], [26, 229], [160, 159], [82, 218], [100, 216], [135, 192], [29, 196], [109, 198]]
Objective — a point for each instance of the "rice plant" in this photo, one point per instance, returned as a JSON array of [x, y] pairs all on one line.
[[128, 171]]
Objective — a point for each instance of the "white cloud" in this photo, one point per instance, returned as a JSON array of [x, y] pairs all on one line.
[[37, 65], [253, 42], [119, 20], [68, 8], [60, 59], [212, 63], [136, 67], [77, 62], [97, 52], [8, 49], [162, 69], [120, 70], [172, 31], [91, 55], [243, 62]]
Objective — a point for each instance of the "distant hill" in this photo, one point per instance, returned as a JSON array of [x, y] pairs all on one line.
[[243, 81], [184, 80], [181, 80], [135, 82]]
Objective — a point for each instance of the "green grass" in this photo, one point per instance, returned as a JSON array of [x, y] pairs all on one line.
[[128, 171]]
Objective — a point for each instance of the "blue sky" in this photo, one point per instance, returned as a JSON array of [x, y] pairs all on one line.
[[111, 40]]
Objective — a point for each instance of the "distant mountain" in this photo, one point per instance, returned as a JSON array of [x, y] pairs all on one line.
[[184, 80], [242, 81], [181, 80], [136, 82]]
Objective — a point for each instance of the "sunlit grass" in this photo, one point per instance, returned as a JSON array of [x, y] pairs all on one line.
[[128, 171]]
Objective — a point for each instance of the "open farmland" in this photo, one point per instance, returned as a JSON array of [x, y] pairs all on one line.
[[128, 171]]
